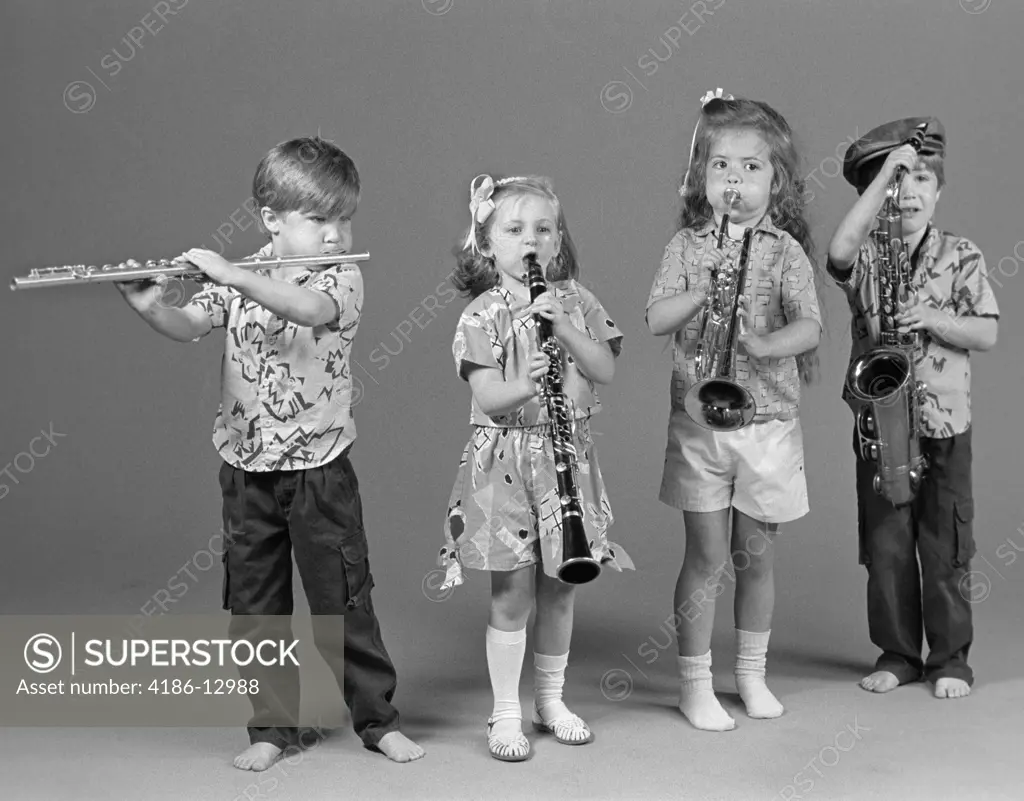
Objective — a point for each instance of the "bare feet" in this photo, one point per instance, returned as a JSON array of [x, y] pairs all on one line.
[[399, 748], [951, 688], [258, 756], [881, 681]]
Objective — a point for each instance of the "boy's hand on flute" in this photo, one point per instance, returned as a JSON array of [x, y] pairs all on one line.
[[144, 293], [214, 266]]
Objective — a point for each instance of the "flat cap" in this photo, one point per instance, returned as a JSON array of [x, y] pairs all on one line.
[[865, 155]]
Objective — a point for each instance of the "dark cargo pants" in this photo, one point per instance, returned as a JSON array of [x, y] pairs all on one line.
[[317, 513], [937, 528]]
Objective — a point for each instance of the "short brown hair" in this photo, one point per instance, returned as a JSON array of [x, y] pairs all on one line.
[[308, 174]]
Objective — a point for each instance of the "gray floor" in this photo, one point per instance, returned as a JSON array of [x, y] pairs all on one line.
[[834, 741]]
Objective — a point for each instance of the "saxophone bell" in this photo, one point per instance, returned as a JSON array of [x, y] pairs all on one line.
[[882, 380]]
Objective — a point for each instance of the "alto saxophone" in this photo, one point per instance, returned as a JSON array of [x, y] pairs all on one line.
[[578, 565], [717, 402], [883, 379]]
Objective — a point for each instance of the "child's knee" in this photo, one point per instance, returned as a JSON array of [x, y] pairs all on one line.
[[751, 565], [556, 598], [706, 562], [511, 604]]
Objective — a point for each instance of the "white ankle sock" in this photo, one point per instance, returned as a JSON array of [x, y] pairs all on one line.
[[751, 656], [697, 695], [548, 679], [505, 652]]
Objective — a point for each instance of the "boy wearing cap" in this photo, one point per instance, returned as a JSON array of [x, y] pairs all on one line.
[[955, 309]]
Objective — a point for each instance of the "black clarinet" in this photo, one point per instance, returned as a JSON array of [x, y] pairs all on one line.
[[578, 564]]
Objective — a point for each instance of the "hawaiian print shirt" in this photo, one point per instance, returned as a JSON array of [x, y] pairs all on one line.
[[286, 389], [780, 288], [495, 331], [949, 274]]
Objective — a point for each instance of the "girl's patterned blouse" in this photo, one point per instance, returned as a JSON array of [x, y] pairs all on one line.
[[495, 331]]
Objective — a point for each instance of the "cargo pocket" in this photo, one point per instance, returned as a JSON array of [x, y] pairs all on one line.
[[356, 565], [863, 553], [963, 514], [226, 586]]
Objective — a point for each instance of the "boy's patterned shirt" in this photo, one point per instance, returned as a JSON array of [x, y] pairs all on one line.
[[950, 275], [494, 331], [780, 287], [286, 389]]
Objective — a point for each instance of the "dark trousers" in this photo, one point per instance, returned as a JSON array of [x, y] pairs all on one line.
[[318, 514], [937, 528]]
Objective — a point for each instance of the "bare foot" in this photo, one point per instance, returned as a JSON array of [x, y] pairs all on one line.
[[258, 756], [399, 748], [881, 681], [951, 688]]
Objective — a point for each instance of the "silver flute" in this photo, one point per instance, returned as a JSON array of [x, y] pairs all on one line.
[[71, 274]]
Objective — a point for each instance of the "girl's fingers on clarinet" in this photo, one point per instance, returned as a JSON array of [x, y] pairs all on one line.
[[712, 259]]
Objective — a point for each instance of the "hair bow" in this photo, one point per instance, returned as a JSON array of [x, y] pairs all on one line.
[[708, 97], [715, 95], [480, 206]]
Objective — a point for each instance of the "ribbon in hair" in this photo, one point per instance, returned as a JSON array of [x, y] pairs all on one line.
[[708, 97], [480, 204]]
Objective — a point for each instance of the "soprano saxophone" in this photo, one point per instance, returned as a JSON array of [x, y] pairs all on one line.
[[883, 380], [717, 401], [578, 564]]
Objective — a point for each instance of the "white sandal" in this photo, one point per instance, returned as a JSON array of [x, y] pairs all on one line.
[[507, 749], [571, 730]]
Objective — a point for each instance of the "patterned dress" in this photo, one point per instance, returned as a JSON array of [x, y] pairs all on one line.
[[504, 512]]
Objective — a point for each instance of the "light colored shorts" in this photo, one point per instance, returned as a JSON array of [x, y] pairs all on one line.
[[758, 469]]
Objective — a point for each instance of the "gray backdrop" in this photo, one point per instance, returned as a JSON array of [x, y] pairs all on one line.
[[118, 148]]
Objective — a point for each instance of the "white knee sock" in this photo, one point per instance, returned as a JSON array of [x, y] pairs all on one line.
[[697, 695], [548, 679], [505, 652], [751, 656]]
